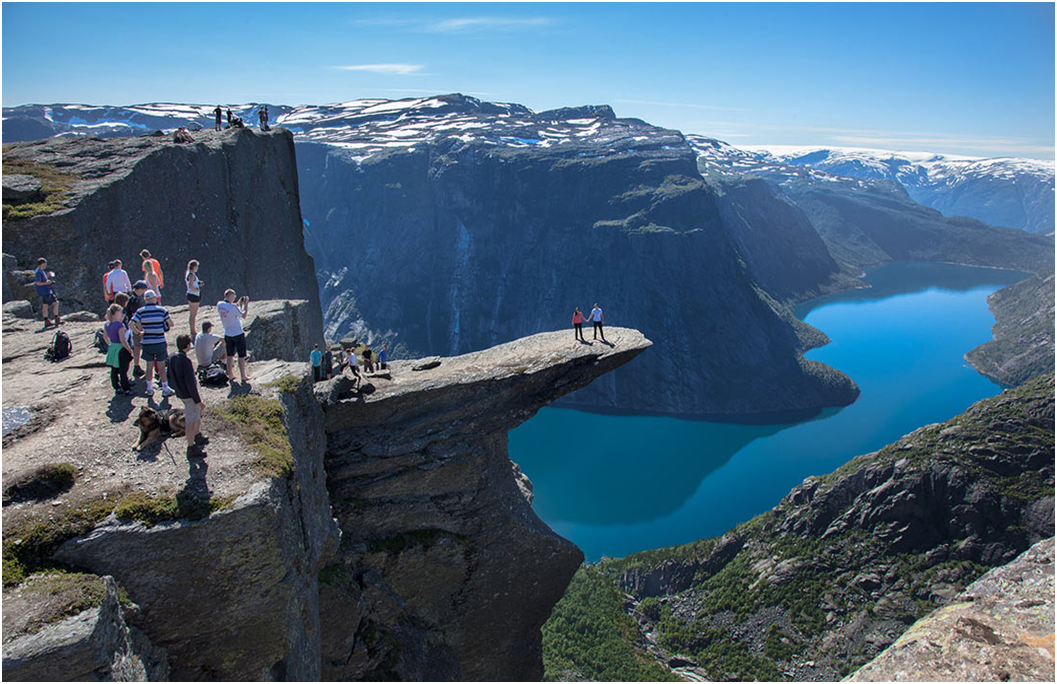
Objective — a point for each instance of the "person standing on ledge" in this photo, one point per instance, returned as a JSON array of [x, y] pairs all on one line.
[[316, 357], [42, 280], [383, 357], [194, 291], [151, 322], [327, 362], [219, 112], [598, 319], [145, 255], [117, 280], [578, 325], [231, 315], [182, 375]]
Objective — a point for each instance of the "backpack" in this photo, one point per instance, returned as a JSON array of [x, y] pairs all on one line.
[[60, 347], [102, 342], [213, 376]]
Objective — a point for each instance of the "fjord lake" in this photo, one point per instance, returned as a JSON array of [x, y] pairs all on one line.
[[615, 485]]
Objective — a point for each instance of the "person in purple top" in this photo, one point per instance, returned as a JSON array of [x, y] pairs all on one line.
[[119, 354], [42, 280]]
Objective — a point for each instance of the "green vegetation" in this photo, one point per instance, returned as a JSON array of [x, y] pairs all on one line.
[[151, 510], [287, 383], [58, 594], [43, 483], [30, 542], [589, 633], [259, 422], [55, 187]]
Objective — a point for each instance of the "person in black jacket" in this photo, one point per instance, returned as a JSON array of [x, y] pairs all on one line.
[[182, 379], [219, 112]]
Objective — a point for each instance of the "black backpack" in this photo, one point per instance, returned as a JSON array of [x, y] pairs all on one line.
[[60, 347], [213, 376], [102, 343]]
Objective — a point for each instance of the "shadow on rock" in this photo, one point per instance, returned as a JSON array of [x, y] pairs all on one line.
[[120, 409]]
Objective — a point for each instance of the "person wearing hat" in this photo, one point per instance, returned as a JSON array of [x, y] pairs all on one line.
[[151, 321], [135, 303]]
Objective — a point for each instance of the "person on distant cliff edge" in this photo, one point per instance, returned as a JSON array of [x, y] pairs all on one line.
[[231, 315], [327, 362], [194, 291], [578, 325], [598, 319], [368, 360], [316, 357], [230, 117], [354, 366], [383, 357], [42, 280], [263, 114], [219, 113], [182, 374]]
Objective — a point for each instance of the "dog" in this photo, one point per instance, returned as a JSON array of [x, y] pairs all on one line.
[[153, 425]]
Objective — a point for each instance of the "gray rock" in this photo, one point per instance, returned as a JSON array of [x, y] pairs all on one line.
[[20, 308], [20, 187], [82, 317], [96, 644]]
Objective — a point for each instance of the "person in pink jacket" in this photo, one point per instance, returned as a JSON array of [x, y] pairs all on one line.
[[578, 325]]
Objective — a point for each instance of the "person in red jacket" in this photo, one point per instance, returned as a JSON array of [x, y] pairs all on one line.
[[578, 325]]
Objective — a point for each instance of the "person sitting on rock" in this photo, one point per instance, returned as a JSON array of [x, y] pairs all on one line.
[[180, 136], [208, 347]]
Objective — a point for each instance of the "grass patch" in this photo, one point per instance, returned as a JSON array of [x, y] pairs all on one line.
[[43, 483], [59, 594], [56, 186], [32, 541], [259, 422], [287, 383], [152, 510]]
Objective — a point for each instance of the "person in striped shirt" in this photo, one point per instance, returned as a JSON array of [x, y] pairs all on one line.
[[151, 321]]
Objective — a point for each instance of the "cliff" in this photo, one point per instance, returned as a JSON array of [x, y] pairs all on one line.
[[231, 567], [1023, 330], [846, 562], [229, 200], [999, 629]]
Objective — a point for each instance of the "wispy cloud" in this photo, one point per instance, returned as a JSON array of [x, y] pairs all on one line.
[[485, 24], [388, 69]]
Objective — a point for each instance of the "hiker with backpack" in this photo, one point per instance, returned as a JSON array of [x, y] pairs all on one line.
[[194, 291], [119, 353], [182, 374], [42, 280], [152, 321]]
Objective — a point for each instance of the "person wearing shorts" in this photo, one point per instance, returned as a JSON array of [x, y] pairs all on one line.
[[43, 282], [182, 374], [231, 316], [194, 292], [151, 321]]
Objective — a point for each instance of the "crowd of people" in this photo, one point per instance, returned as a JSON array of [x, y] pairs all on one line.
[[346, 357]]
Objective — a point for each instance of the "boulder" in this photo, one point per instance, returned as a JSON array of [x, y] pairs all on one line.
[[20, 187], [20, 308]]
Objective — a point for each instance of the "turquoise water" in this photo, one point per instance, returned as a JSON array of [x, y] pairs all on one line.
[[619, 484]]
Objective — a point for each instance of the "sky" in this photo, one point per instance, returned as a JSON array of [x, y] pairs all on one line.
[[974, 79]]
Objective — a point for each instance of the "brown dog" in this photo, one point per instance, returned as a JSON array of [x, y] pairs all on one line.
[[153, 425]]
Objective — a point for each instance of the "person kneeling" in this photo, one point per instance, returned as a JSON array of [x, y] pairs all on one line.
[[183, 380]]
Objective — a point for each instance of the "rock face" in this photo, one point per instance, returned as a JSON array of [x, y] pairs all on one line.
[[19, 187], [96, 644], [444, 571], [1023, 330], [834, 574], [999, 629], [229, 200]]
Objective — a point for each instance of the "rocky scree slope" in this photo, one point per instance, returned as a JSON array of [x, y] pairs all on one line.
[[845, 563], [999, 629], [868, 221], [229, 200]]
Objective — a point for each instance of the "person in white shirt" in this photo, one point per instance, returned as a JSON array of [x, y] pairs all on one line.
[[231, 315], [354, 366], [208, 349], [117, 280], [598, 319]]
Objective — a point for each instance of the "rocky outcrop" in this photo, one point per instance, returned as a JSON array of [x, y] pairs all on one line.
[[999, 629], [1023, 330], [94, 645], [444, 571], [19, 187], [834, 574], [229, 200]]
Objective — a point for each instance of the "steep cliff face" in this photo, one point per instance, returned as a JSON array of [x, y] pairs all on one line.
[[1023, 330], [846, 562], [229, 200], [444, 571], [481, 234]]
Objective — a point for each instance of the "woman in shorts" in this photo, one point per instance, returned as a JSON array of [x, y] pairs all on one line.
[[194, 291]]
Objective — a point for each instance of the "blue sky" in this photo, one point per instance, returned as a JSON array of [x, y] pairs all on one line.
[[972, 79]]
